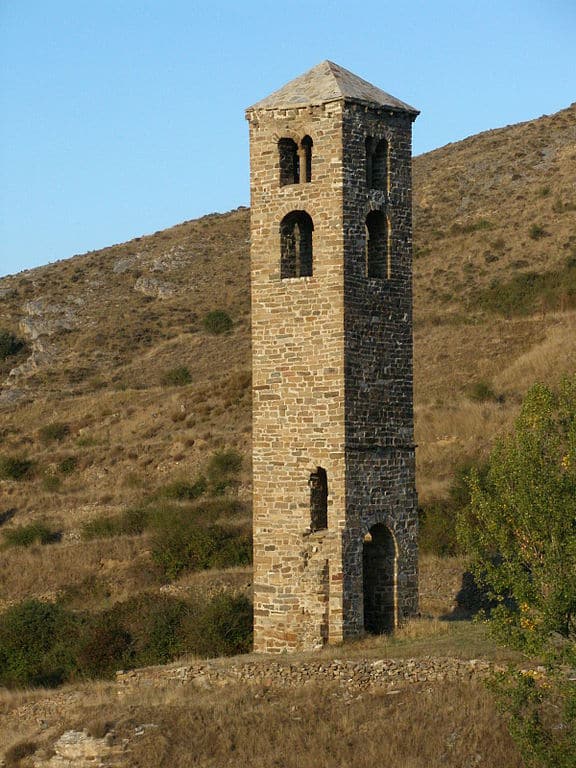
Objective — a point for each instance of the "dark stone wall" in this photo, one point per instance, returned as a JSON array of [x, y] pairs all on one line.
[[380, 466]]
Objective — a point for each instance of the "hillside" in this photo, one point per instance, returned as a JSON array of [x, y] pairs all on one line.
[[104, 328], [116, 396]]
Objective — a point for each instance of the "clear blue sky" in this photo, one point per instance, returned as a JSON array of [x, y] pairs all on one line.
[[122, 117]]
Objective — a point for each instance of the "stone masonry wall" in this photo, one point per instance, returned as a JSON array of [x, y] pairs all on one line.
[[354, 675], [332, 377], [298, 386], [380, 465]]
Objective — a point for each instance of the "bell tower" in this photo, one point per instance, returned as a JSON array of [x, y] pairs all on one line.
[[335, 510]]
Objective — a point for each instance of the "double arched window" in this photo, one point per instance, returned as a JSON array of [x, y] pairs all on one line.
[[296, 245], [295, 161]]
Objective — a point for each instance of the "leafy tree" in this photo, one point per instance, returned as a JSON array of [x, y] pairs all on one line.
[[520, 529]]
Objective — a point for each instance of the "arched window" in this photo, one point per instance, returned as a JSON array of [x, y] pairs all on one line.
[[378, 234], [380, 580], [289, 162], [306, 159], [318, 500], [296, 245], [377, 163]]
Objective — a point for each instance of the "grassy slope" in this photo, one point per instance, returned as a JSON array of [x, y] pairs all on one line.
[[104, 346]]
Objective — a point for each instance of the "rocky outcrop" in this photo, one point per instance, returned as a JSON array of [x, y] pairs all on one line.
[[77, 749]]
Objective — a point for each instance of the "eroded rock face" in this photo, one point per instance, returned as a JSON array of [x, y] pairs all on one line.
[[44, 318], [149, 286]]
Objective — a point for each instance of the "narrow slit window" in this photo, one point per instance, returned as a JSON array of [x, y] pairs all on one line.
[[296, 245], [289, 162], [377, 245], [369, 152], [380, 166], [318, 484]]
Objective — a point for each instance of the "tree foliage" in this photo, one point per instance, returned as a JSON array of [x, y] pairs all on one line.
[[520, 529]]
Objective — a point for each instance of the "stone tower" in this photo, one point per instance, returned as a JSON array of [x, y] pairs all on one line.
[[335, 516]]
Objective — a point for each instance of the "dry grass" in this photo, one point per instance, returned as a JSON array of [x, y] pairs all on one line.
[[423, 725], [91, 573]]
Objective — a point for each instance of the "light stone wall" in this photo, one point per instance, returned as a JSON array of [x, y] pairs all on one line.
[[332, 377]]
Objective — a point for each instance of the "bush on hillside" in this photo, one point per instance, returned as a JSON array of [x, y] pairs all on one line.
[[182, 490], [181, 543], [218, 321], [9, 344], [35, 644], [438, 520], [34, 533], [15, 468], [56, 431], [177, 377], [222, 469], [219, 627], [482, 392], [154, 624], [437, 528], [537, 232], [67, 465], [45, 644], [529, 292], [131, 522]]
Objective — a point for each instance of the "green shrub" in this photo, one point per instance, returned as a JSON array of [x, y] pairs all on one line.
[[100, 528], [220, 627], [154, 624], [26, 535], [537, 232], [180, 543], [529, 292], [177, 377], [482, 392], [15, 468], [235, 550], [182, 490], [45, 644], [35, 644], [105, 647], [9, 345], [438, 520], [51, 482], [473, 226], [437, 528], [218, 321], [67, 465], [56, 431], [131, 522], [222, 468], [134, 521]]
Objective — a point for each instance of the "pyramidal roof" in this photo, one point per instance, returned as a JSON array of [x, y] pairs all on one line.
[[329, 82]]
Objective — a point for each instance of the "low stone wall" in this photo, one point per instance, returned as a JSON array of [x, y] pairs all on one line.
[[354, 674]]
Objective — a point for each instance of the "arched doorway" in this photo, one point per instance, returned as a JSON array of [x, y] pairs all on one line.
[[379, 562]]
